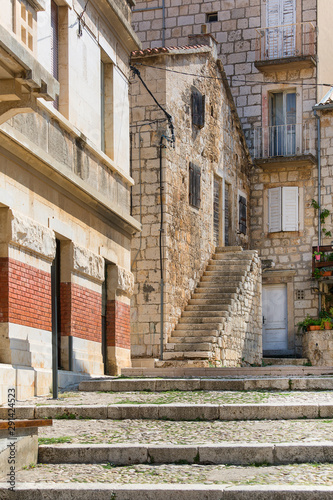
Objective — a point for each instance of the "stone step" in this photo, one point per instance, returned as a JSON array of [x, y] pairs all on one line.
[[233, 265], [208, 294], [194, 333], [203, 314], [163, 491], [187, 412], [226, 288], [285, 361], [207, 301], [202, 308], [208, 354], [176, 340], [198, 326], [230, 249], [217, 288], [282, 383], [215, 453], [234, 276], [198, 320], [229, 284], [194, 346]]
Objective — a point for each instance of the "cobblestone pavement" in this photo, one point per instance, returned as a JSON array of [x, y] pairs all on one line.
[[302, 474], [157, 431], [194, 397]]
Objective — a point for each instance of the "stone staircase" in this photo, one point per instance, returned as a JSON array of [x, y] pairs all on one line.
[[220, 308]]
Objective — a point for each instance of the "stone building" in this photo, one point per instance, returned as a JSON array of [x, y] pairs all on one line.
[[277, 59], [65, 184], [191, 195]]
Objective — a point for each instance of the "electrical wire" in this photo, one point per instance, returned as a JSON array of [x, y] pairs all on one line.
[[169, 117], [235, 76], [79, 18]]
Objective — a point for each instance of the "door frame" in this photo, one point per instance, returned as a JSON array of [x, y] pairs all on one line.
[[279, 278]]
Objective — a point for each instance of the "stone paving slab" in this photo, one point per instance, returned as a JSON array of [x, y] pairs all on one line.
[[164, 492], [217, 372], [232, 475], [185, 397], [158, 385], [226, 453], [184, 432], [178, 411]]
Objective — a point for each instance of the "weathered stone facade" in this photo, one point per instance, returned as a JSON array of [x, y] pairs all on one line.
[[65, 191], [218, 149], [258, 70], [318, 347]]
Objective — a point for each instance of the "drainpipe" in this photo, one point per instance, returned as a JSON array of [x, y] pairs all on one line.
[[161, 254], [319, 185]]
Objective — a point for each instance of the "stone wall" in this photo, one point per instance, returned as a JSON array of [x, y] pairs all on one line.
[[188, 232], [242, 333], [318, 347], [235, 32]]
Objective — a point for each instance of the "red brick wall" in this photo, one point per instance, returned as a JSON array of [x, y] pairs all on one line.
[[25, 295], [80, 312], [118, 331]]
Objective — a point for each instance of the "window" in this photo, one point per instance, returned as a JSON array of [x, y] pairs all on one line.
[[198, 109], [281, 37], [242, 214], [194, 185], [283, 209], [212, 17], [55, 45], [24, 23], [282, 121]]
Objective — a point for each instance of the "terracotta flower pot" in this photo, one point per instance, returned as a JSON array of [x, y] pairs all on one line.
[[326, 273], [328, 325], [314, 327]]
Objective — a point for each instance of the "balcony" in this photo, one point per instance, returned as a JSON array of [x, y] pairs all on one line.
[[281, 144], [293, 45]]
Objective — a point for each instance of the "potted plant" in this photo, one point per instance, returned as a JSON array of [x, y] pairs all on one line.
[[326, 324], [309, 324], [325, 271]]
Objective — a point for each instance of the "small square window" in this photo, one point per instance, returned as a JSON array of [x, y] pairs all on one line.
[[300, 295], [194, 185], [212, 17]]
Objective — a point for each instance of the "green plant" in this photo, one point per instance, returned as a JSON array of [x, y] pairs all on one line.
[[316, 273], [324, 213], [308, 321]]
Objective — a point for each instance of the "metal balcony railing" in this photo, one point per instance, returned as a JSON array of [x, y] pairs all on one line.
[[291, 40], [283, 140]]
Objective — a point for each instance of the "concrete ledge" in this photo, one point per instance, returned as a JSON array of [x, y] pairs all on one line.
[[228, 454], [207, 384], [176, 411], [100, 491]]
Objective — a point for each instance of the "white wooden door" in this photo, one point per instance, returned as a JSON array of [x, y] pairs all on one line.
[[275, 318]]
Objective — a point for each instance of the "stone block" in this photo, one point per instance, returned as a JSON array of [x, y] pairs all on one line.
[[301, 452], [71, 412], [89, 454], [21, 412], [178, 385], [237, 454], [188, 412], [172, 453]]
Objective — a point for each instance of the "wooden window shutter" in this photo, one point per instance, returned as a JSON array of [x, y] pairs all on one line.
[[274, 210], [194, 185], [242, 214], [198, 109], [290, 208], [54, 40]]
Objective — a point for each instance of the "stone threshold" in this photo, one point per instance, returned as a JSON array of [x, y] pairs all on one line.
[[100, 491], [215, 454], [176, 411], [209, 384]]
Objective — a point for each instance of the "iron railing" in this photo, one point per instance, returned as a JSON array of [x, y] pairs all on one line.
[[290, 40], [283, 140]]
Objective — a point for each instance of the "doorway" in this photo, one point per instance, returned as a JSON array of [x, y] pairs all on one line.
[[275, 319]]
